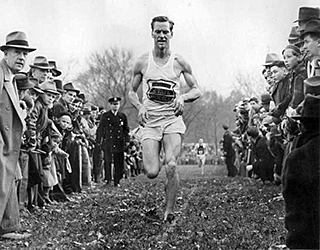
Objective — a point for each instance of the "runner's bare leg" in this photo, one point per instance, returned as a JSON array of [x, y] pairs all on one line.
[[151, 160], [172, 148]]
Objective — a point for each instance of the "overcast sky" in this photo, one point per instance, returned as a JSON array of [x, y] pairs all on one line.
[[219, 38]]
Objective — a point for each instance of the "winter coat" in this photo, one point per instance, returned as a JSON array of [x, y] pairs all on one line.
[[11, 125], [113, 132], [301, 194]]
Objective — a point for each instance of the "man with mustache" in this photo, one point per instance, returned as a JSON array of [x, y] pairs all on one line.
[[15, 52], [160, 112]]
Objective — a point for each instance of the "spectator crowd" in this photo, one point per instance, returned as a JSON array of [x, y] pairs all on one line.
[[276, 137], [48, 138]]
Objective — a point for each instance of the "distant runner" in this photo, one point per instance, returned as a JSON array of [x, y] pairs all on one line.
[[201, 151]]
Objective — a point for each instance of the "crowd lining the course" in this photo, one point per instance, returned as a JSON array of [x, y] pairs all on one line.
[[59, 154]]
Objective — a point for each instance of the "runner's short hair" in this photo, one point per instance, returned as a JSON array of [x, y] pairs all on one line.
[[162, 19]]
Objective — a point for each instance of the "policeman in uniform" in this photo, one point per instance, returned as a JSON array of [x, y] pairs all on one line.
[[112, 136]]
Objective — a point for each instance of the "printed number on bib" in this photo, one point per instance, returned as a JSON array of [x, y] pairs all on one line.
[[161, 91]]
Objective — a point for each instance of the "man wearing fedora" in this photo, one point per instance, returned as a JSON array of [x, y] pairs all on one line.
[[306, 14], [265, 101], [270, 58], [69, 94], [54, 72], [40, 68], [300, 180], [15, 51], [113, 135], [311, 46]]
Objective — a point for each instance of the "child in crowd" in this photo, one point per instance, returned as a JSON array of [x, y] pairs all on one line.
[[38, 134]]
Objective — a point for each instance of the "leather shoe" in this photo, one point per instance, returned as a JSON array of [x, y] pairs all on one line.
[[15, 236]]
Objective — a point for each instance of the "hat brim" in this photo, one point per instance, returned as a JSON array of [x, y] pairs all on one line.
[[61, 91], [51, 91], [306, 19], [40, 67], [267, 64], [74, 90], [4, 47], [56, 72], [38, 90], [29, 86]]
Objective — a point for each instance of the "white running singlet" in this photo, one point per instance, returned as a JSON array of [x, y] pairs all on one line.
[[160, 87]]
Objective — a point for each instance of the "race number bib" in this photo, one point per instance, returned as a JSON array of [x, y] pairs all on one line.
[[161, 91], [200, 150]]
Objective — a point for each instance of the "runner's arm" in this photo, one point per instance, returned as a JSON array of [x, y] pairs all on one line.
[[133, 96], [194, 92]]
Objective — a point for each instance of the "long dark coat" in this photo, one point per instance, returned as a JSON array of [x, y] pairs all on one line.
[[300, 179], [11, 124], [263, 160]]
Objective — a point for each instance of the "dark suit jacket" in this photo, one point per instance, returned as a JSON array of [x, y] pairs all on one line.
[[113, 132]]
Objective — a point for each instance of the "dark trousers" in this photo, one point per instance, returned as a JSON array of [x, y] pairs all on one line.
[[97, 162], [118, 163], [232, 170]]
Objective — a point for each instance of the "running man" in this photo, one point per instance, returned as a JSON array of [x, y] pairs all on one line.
[[201, 150], [159, 72]]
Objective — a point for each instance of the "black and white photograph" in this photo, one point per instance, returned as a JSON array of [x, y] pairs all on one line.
[[159, 125]]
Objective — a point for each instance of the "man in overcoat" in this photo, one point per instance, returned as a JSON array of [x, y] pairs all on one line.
[[15, 51], [300, 178], [113, 136]]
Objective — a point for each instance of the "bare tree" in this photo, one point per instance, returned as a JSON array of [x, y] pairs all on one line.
[[250, 85], [108, 74]]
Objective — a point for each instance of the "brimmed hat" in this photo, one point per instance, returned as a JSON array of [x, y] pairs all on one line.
[[49, 86], [55, 71], [40, 62], [255, 99], [17, 39], [94, 108], [36, 87], [310, 108], [114, 99], [23, 82], [278, 63], [294, 35], [265, 98], [69, 87], [312, 85], [270, 58], [86, 110], [313, 26], [82, 97], [58, 83], [308, 13]]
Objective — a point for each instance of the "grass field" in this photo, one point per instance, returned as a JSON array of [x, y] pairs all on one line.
[[213, 212]]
